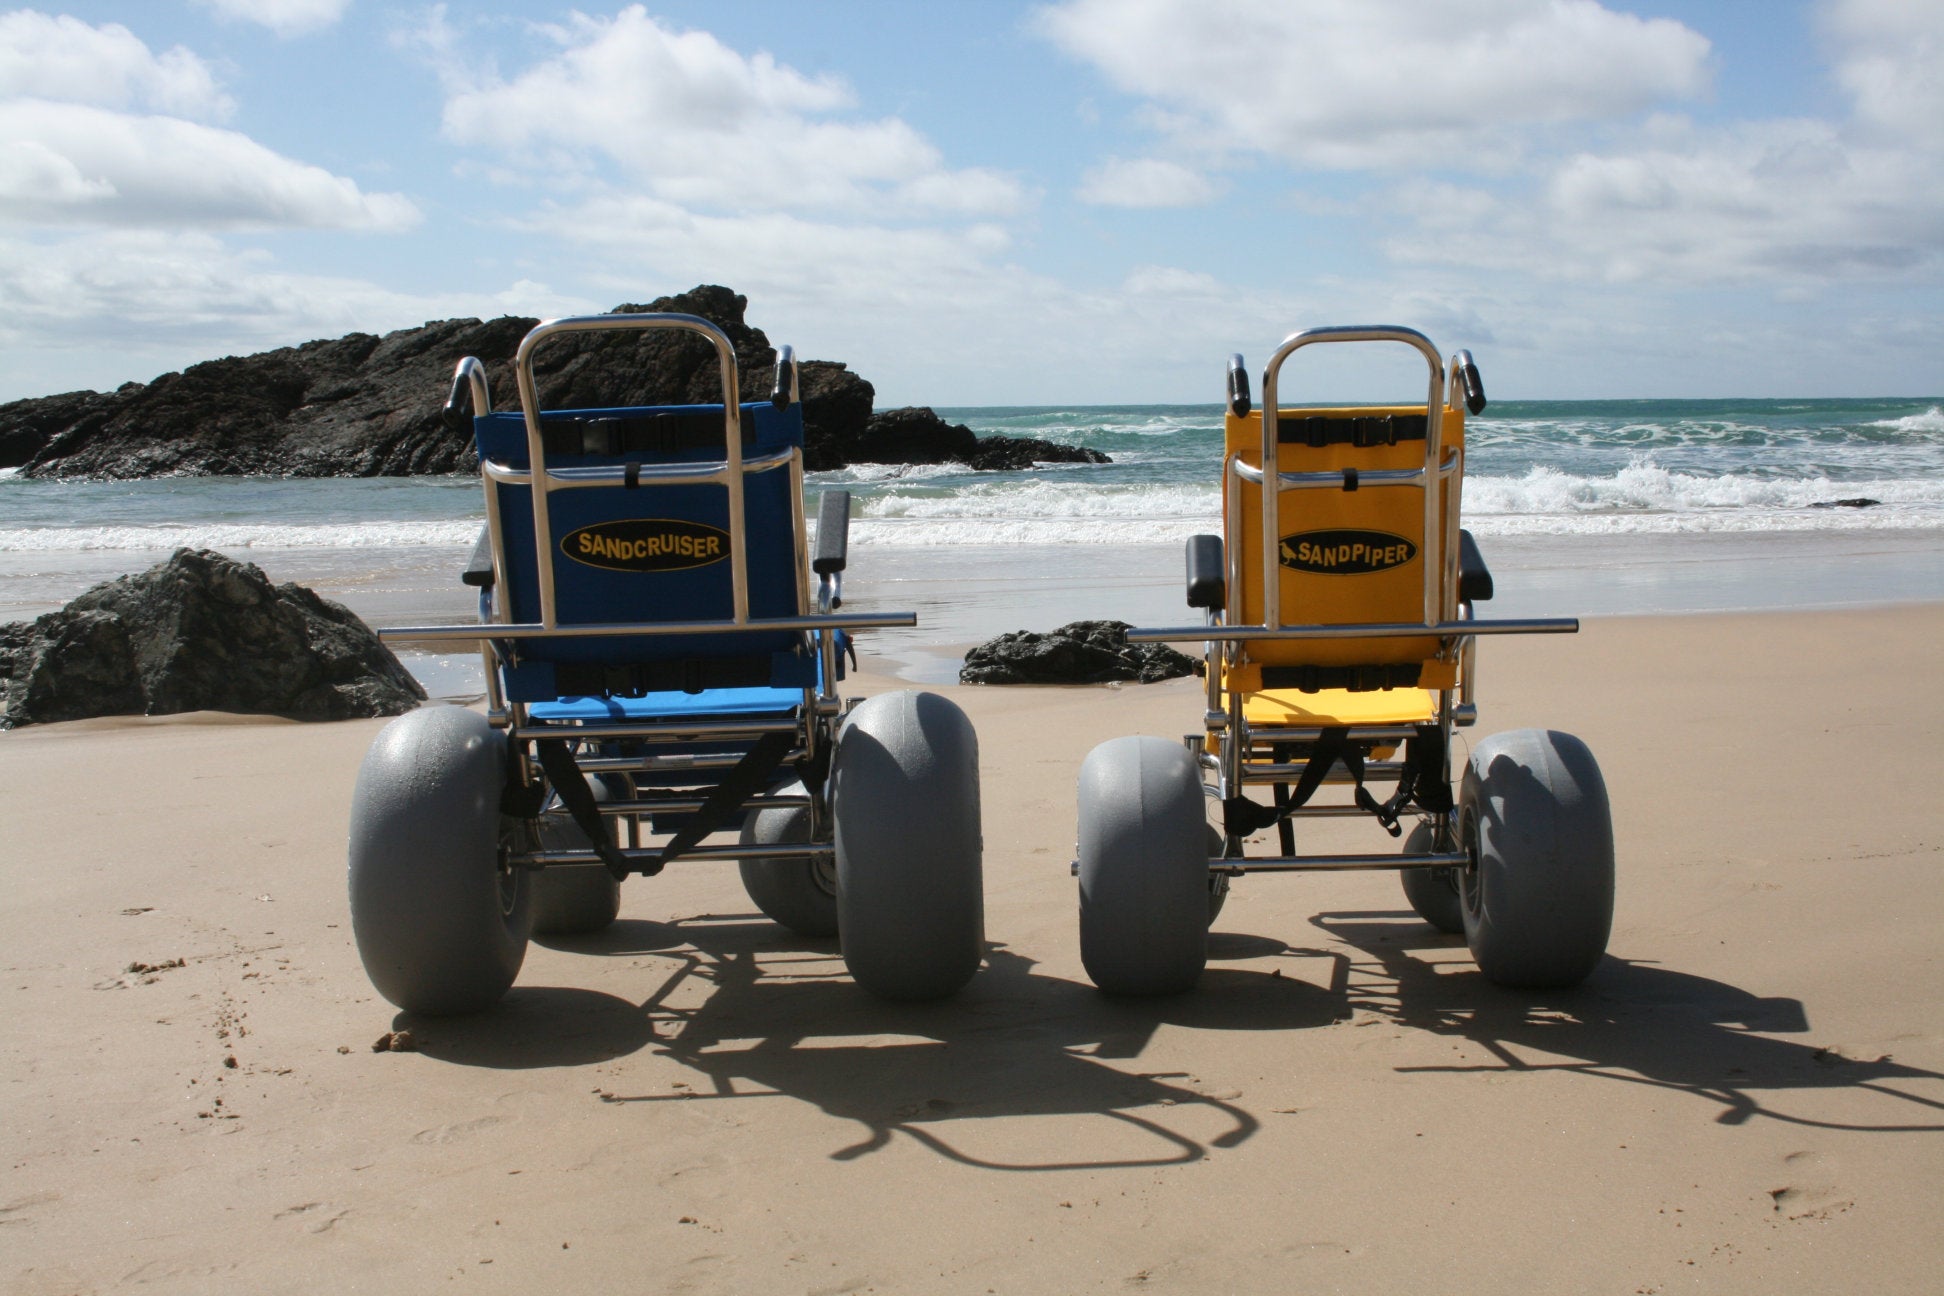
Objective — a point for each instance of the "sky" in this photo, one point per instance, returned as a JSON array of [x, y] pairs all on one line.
[[989, 202]]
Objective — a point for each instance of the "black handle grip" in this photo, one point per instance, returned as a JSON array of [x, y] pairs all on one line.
[[783, 392], [1474, 385], [833, 532], [1238, 387], [458, 410]]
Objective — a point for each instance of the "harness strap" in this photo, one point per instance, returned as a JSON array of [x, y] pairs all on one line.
[[1421, 783], [636, 434], [749, 776], [1362, 431], [557, 759]]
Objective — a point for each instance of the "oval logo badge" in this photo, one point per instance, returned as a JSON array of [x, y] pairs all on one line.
[[1346, 552], [647, 545]]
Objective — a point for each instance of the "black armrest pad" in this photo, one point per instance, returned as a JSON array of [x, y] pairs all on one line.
[[1205, 579], [479, 567], [833, 532], [1474, 578]]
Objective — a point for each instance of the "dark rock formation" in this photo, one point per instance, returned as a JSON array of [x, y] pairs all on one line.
[[836, 407], [1015, 454], [1860, 501], [365, 406], [1082, 652], [916, 435], [200, 632]]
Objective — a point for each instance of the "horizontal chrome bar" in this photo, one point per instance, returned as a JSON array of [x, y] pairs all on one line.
[[1315, 811], [603, 629], [1265, 735], [683, 762], [1368, 630], [1334, 480], [726, 851], [695, 474], [672, 733], [1327, 863], [685, 805], [1338, 863], [1290, 773]]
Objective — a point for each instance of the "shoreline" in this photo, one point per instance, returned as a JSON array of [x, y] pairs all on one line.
[[967, 595], [1744, 1098]]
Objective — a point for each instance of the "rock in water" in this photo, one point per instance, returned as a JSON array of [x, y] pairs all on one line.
[[1082, 652], [365, 406], [200, 632]]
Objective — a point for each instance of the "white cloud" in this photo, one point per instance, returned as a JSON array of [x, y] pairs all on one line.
[[1787, 203], [64, 59], [284, 17], [106, 307], [1892, 66], [97, 129], [698, 123], [1378, 83], [1145, 182], [68, 163]]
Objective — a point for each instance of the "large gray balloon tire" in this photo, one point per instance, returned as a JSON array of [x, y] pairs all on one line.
[[904, 804], [581, 899], [1538, 901], [1433, 892], [441, 925], [796, 891], [1144, 893]]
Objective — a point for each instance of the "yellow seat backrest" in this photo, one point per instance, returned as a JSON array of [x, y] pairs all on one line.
[[1346, 557]]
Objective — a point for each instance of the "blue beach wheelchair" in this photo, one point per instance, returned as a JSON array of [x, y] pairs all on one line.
[[661, 684]]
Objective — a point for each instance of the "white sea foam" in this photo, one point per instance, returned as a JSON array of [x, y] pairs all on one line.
[[239, 535], [1931, 420]]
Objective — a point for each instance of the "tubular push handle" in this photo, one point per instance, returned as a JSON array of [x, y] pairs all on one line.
[[1238, 387], [458, 407]]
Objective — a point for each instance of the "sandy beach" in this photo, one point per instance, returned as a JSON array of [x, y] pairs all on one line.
[[1747, 1096]]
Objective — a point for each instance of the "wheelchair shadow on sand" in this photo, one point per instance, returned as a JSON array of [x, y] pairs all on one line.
[[755, 1012], [1634, 1022]]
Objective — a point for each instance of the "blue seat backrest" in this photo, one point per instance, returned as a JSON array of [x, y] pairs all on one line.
[[652, 553]]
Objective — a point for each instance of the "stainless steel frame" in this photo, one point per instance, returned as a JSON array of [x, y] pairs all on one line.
[[1241, 749], [500, 638]]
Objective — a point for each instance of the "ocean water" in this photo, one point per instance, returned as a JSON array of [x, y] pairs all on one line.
[[1604, 507]]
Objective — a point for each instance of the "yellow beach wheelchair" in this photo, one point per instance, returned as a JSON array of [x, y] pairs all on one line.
[[1340, 643], [660, 671]]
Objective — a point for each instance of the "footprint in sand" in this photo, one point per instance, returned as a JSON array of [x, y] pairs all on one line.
[[317, 1217], [1812, 1190], [459, 1132]]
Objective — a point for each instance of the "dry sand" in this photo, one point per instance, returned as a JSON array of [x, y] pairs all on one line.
[[1747, 1096]]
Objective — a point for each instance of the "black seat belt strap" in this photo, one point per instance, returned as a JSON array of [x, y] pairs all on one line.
[[750, 775], [557, 759]]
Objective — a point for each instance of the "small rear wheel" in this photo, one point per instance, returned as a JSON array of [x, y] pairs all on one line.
[[904, 805], [797, 891], [1145, 900], [440, 914], [1218, 883], [1433, 892], [575, 900], [1538, 897]]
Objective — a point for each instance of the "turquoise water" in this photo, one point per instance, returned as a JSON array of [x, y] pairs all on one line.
[[1582, 507]]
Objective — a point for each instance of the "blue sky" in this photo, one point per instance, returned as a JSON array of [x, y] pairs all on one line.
[[986, 202]]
